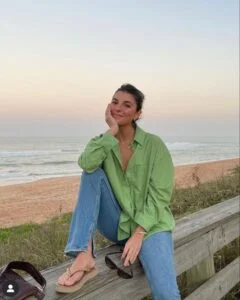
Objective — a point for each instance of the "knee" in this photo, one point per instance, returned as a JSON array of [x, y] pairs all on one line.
[[95, 172], [93, 175]]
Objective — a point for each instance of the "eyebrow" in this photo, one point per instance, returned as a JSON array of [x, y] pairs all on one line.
[[125, 101]]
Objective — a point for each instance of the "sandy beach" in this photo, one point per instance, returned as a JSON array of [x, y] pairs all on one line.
[[40, 200]]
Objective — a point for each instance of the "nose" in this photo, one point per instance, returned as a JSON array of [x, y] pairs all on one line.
[[117, 107]]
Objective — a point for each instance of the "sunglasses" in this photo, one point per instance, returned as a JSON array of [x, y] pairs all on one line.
[[123, 273]]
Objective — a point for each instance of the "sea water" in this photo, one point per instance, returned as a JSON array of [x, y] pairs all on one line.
[[26, 159]]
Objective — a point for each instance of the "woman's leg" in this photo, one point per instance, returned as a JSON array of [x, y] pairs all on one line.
[[96, 207], [157, 258]]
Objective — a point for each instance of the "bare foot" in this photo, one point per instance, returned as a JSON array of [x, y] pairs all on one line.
[[82, 261]]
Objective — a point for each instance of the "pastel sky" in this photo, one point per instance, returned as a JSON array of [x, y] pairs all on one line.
[[62, 60]]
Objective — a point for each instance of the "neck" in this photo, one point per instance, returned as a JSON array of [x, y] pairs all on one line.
[[125, 133]]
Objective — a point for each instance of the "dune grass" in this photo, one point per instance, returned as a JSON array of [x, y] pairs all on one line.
[[43, 244]]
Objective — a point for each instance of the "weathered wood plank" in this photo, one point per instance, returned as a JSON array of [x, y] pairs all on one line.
[[200, 273], [219, 285], [195, 251], [196, 224], [106, 282], [122, 289]]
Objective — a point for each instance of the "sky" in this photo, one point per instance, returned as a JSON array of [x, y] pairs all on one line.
[[61, 62]]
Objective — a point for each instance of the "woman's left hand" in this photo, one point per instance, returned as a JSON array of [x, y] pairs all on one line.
[[132, 248]]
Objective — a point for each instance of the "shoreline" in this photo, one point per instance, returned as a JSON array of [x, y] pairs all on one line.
[[36, 201], [74, 175]]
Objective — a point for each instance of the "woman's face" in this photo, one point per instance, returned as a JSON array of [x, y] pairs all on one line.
[[124, 108]]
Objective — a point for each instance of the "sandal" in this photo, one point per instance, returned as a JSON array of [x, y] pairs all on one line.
[[87, 275]]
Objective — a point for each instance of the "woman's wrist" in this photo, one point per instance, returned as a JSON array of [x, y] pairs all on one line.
[[113, 130], [140, 230], [140, 233]]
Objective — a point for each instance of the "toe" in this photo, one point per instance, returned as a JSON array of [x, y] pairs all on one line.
[[60, 281], [62, 278], [74, 278]]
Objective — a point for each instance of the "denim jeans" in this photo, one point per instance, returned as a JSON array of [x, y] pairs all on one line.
[[97, 208]]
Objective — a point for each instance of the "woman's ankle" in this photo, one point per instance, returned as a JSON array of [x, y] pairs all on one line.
[[86, 256]]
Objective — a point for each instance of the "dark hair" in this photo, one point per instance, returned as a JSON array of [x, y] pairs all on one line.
[[137, 94], [130, 89]]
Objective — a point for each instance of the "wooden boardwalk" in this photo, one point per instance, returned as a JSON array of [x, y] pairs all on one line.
[[196, 238]]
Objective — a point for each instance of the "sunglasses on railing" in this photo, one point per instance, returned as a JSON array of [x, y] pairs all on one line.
[[125, 272]]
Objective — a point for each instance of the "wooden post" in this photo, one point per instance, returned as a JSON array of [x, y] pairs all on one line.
[[200, 273]]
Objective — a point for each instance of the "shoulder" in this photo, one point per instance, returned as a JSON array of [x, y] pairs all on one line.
[[155, 145], [154, 140], [151, 143]]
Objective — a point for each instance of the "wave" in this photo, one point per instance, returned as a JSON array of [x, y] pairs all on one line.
[[51, 163], [70, 150], [64, 162], [9, 165], [52, 174], [4, 154], [183, 145], [41, 174]]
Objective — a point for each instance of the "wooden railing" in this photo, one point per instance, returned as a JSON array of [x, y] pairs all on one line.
[[196, 238]]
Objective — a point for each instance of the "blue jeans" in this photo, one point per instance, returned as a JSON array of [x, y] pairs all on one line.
[[97, 208]]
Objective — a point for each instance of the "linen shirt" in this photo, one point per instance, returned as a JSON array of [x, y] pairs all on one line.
[[145, 189]]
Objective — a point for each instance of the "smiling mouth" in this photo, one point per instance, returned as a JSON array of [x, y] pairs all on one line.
[[118, 116]]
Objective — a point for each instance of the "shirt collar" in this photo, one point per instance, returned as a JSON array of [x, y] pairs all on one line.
[[139, 135]]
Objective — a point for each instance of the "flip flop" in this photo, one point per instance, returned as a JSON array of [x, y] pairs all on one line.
[[87, 275]]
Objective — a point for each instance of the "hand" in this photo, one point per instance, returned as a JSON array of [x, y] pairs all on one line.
[[112, 123], [132, 248]]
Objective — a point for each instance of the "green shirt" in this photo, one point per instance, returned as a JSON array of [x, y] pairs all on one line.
[[144, 190]]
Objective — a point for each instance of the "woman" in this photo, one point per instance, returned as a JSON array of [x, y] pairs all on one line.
[[126, 187]]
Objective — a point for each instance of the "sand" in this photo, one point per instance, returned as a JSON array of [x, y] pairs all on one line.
[[37, 201]]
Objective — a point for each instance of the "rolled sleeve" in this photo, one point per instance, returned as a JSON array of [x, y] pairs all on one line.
[[96, 151]]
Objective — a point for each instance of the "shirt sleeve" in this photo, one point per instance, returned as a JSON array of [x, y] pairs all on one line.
[[159, 191], [96, 151]]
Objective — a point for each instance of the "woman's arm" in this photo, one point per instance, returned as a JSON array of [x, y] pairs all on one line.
[[98, 148], [96, 151]]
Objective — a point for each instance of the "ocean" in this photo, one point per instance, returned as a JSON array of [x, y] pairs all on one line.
[[32, 158]]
